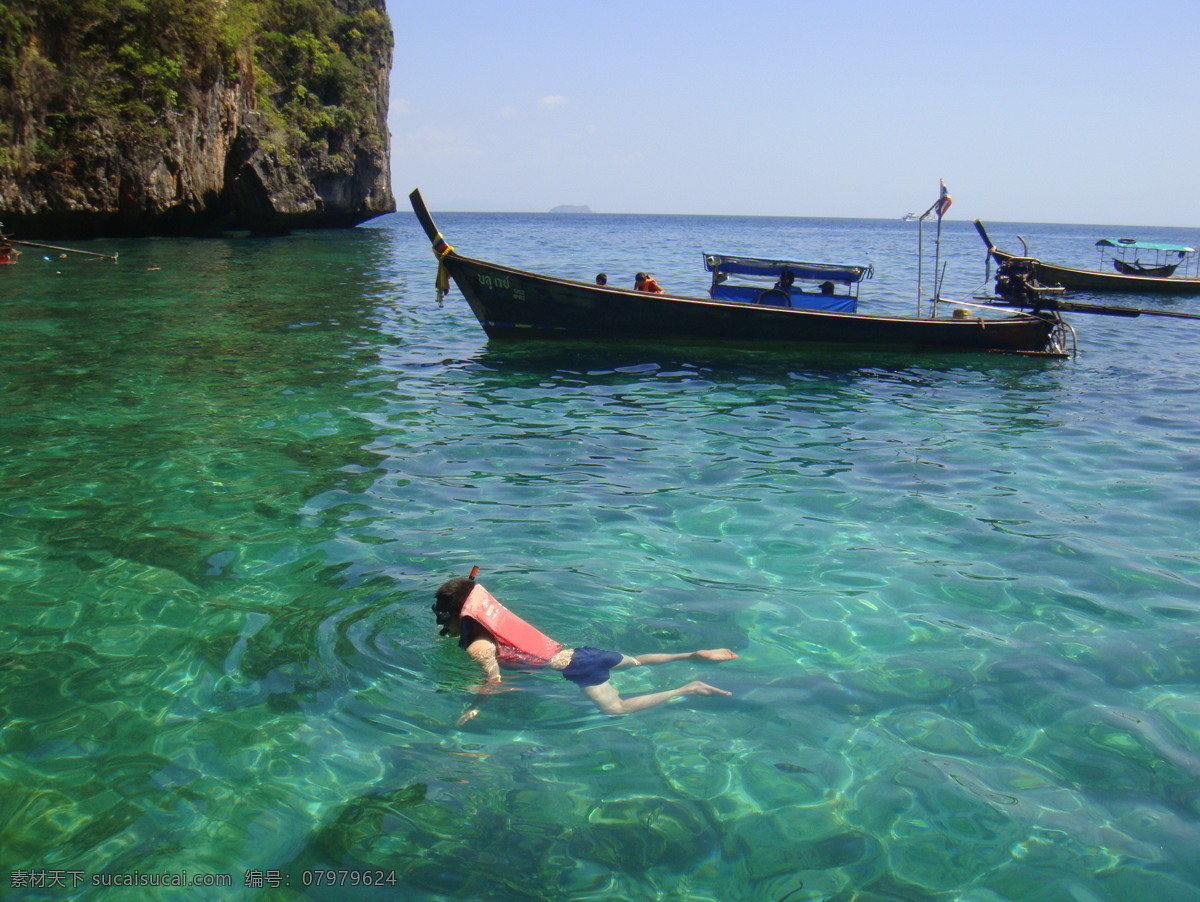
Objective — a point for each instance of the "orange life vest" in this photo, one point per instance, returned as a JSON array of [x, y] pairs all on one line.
[[650, 285], [517, 643]]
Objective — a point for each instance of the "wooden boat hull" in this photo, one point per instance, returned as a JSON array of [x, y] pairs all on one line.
[[1101, 282], [514, 304]]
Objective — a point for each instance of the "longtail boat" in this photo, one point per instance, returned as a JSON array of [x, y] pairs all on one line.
[[515, 304], [9, 254], [1127, 276]]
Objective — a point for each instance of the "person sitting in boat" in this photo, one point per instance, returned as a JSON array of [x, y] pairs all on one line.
[[495, 637], [8, 253], [643, 282], [601, 279], [786, 279], [826, 287]]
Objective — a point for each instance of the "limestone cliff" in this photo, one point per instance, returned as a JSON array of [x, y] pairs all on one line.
[[172, 117]]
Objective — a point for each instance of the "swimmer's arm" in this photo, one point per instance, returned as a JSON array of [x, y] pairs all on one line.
[[483, 653]]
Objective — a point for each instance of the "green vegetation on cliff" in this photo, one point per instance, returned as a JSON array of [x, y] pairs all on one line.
[[77, 76], [311, 64]]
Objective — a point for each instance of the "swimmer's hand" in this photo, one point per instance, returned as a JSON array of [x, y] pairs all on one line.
[[469, 714]]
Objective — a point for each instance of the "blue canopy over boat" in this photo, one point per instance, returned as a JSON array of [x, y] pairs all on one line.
[[787, 276]]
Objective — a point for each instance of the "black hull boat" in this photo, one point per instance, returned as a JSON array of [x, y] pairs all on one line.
[[515, 304], [510, 303], [1127, 277]]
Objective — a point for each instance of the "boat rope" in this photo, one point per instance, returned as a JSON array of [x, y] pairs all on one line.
[[442, 248]]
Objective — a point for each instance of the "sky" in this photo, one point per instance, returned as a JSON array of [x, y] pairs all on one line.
[[1081, 111]]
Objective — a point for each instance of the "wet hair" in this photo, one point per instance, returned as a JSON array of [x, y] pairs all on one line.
[[449, 599], [641, 277]]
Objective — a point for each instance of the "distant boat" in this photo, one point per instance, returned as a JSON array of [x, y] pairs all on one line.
[[910, 217], [1128, 276], [516, 304]]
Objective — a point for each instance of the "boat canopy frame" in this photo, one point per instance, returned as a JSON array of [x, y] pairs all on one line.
[[786, 278], [766, 268]]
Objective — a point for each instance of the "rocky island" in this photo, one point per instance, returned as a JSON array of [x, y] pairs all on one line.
[[192, 117]]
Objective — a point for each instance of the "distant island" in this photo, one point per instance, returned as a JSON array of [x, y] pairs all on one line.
[[568, 208]]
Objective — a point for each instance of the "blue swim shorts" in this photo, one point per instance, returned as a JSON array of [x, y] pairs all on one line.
[[590, 666]]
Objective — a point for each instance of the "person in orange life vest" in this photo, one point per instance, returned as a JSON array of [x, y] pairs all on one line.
[[643, 282], [495, 637]]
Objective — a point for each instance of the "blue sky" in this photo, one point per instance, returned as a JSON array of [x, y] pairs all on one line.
[[1051, 111]]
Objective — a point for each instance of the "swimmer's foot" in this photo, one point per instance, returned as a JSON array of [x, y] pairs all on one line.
[[697, 688], [714, 654]]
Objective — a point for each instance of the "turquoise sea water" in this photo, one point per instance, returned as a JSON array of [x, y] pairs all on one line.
[[965, 590]]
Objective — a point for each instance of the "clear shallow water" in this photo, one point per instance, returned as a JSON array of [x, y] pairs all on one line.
[[964, 589]]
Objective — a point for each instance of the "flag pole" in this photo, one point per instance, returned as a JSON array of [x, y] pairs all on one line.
[[920, 257], [937, 265], [941, 205], [921, 251]]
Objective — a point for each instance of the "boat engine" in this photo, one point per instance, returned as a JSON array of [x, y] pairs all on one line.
[[1016, 284]]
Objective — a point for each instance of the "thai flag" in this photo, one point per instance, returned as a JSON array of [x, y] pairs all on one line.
[[944, 201]]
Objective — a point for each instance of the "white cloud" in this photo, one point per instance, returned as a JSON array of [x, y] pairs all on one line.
[[551, 102], [430, 142]]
